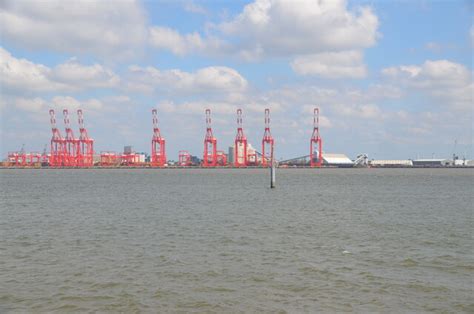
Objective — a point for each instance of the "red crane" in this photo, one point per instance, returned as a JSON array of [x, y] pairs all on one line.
[[240, 147], [158, 153], [57, 143], [71, 144], [316, 144], [85, 153], [267, 142], [210, 144]]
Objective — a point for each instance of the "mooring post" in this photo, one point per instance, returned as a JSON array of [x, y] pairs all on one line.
[[272, 175]]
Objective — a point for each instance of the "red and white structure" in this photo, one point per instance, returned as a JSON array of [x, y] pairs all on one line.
[[71, 145], [210, 144], [23, 159], [130, 159], [316, 143], [58, 150], [267, 142], [158, 151], [221, 158], [85, 152], [184, 158], [240, 143], [109, 159]]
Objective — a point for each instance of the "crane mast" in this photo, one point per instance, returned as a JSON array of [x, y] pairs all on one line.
[[158, 144], [71, 144], [57, 143], [240, 144], [267, 142], [210, 144], [316, 143], [85, 155]]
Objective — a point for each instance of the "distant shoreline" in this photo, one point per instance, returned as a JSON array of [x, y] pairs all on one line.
[[234, 168]]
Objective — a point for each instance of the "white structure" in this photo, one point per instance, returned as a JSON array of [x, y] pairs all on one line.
[[460, 162], [141, 157], [251, 154], [337, 160], [391, 163], [431, 162], [362, 160]]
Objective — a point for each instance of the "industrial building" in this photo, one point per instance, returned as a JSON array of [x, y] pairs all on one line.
[[337, 160], [391, 163], [432, 162]]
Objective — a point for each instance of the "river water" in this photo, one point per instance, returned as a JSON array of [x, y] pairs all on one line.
[[195, 240]]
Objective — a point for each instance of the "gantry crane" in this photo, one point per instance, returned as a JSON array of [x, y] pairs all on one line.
[[158, 148], [316, 143], [267, 142], [210, 144]]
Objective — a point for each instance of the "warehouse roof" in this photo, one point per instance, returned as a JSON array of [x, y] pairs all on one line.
[[404, 162], [430, 160], [336, 159]]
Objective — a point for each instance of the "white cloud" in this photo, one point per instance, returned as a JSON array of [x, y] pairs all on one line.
[[325, 36], [26, 76], [71, 103], [61, 102], [166, 38], [284, 27], [447, 81], [92, 103], [381, 91], [209, 79], [430, 73], [259, 106], [276, 28], [343, 110], [105, 28], [34, 105], [197, 107], [58, 103], [344, 64], [326, 97], [93, 76]]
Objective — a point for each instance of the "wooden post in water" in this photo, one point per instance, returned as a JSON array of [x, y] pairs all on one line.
[[272, 175]]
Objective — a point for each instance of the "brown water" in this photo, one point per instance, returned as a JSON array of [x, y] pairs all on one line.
[[394, 240]]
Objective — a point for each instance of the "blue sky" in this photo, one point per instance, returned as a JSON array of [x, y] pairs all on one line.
[[393, 79]]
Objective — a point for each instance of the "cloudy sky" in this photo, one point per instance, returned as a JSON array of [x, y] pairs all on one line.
[[393, 79]]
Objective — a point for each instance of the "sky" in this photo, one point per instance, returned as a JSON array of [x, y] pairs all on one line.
[[392, 79]]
